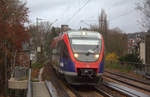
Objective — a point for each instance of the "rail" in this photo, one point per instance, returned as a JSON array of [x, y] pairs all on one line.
[[29, 89], [128, 83], [125, 90], [101, 91], [76, 93], [52, 91], [139, 67], [128, 77]]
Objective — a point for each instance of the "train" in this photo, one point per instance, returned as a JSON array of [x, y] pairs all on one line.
[[78, 56]]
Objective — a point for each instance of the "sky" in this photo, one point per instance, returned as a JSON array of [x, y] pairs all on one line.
[[76, 13]]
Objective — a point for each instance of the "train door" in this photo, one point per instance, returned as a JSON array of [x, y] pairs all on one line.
[[53, 59], [60, 48], [56, 57]]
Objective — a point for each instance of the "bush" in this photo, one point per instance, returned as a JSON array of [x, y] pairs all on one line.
[[111, 58], [131, 58], [36, 65], [120, 67]]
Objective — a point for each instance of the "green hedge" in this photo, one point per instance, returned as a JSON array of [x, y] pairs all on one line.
[[123, 68], [36, 65]]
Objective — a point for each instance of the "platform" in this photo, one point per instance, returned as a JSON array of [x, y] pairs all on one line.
[[40, 90]]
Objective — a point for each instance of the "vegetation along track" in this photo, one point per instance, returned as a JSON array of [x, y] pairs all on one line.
[[137, 83]]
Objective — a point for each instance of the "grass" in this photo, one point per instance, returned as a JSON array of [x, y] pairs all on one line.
[[124, 68], [120, 67]]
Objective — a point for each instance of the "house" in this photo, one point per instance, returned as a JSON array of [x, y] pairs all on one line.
[[145, 52], [134, 40]]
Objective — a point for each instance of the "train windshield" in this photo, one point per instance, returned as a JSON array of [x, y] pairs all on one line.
[[86, 45], [86, 49]]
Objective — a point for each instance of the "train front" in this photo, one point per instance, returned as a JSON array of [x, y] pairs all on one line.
[[86, 52]]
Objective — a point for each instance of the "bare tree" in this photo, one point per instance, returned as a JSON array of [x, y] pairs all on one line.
[[94, 28], [117, 42], [144, 7], [103, 25], [42, 35]]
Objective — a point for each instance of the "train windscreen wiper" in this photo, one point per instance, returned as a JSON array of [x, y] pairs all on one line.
[[91, 51]]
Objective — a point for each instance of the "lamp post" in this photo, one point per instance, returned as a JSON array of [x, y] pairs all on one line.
[[41, 45], [31, 58]]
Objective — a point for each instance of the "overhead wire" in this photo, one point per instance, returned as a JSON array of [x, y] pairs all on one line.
[[122, 15], [63, 12], [119, 16], [78, 11]]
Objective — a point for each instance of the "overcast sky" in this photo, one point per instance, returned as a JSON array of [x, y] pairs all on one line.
[[121, 13]]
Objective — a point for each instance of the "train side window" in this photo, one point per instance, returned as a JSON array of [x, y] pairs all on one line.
[[65, 52], [61, 46]]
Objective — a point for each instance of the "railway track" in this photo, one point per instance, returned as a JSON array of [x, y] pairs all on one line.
[[129, 77], [75, 91], [120, 91], [56, 83], [101, 91], [94, 89], [124, 91], [59, 88], [130, 81]]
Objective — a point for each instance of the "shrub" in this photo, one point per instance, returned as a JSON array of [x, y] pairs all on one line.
[[111, 58], [120, 67], [36, 65], [131, 58]]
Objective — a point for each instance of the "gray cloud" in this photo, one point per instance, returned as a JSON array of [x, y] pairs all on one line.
[[121, 13]]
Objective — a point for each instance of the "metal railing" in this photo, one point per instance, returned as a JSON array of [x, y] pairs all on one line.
[[29, 90], [139, 66]]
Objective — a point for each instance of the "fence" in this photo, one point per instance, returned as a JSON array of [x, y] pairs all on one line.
[[140, 68], [29, 91]]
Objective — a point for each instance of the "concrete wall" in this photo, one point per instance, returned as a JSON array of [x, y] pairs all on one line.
[[142, 52]]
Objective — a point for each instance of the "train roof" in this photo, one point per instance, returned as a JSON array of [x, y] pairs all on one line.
[[78, 33], [82, 33]]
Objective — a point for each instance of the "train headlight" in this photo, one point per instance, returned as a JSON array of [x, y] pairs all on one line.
[[76, 55], [96, 56]]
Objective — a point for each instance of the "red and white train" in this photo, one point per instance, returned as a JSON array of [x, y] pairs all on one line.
[[79, 56]]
